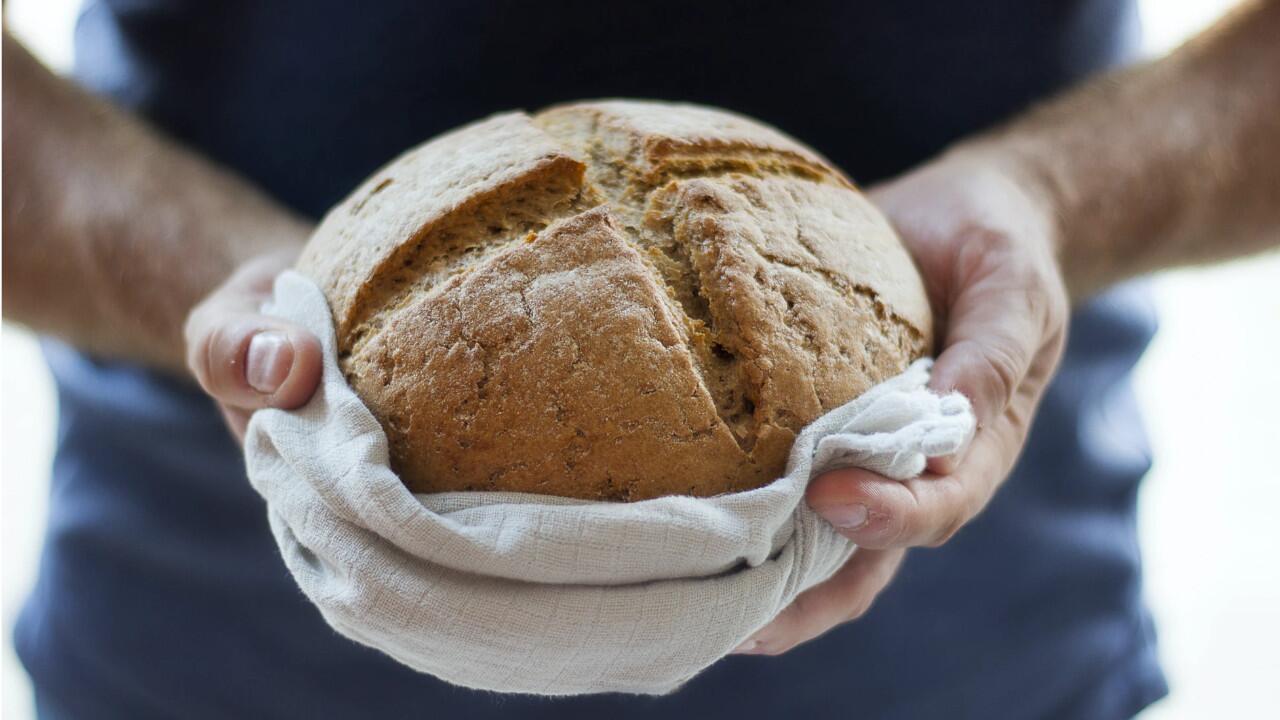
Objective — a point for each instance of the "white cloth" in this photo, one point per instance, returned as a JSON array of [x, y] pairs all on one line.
[[534, 594]]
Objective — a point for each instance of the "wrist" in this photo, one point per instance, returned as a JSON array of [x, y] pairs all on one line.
[[1035, 175]]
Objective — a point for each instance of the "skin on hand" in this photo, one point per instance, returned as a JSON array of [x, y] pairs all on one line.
[[985, 245], [247, 360], [1132, 190]]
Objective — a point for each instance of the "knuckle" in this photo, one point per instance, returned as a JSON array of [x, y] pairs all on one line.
[[1056, 335], [1056, 291], [980, 252], [1018, 415], [899, 518], [1060, 337], [220, 356], [987, 240], [1002, 367], [1049, 300], [211, 358], [913, 527], [895, 525]]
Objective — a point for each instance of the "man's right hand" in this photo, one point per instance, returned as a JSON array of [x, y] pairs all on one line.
[[247, 360]]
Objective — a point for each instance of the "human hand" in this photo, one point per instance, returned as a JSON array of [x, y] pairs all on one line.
[[245, 359], [985, 241]]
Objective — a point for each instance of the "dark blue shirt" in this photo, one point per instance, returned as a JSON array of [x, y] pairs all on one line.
[[161, 593]]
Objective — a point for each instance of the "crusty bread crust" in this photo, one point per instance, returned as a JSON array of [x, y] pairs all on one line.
[[611, 300]]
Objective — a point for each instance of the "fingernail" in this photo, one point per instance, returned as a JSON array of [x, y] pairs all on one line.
[[746, 648], [268, 362], [847, 517]]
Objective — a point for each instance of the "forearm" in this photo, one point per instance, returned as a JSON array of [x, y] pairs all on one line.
[[1173, 162], [111, 232]]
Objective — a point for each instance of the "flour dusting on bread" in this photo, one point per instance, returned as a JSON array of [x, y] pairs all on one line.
[[611, 300]]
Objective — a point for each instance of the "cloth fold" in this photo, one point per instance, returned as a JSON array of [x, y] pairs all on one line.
[[514, 592]]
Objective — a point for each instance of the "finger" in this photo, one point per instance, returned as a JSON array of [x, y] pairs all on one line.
[[877, 512], [248, 360], [252, 361], [847, 595], [1021, 407], [1001, 318]]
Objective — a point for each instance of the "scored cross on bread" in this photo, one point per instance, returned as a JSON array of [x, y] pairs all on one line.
[[611, 300]]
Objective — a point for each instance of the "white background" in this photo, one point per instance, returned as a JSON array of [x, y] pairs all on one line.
[[1209, 386]]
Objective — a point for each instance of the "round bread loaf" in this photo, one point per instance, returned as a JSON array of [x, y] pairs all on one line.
[[611, 300]]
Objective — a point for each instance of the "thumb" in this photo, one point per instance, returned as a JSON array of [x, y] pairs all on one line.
[[251, 361], [248, 360]]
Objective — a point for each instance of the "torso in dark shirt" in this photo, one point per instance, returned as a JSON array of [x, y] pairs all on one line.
[[161, 593]]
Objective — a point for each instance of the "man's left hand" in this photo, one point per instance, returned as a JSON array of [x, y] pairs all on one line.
[[985, 242]]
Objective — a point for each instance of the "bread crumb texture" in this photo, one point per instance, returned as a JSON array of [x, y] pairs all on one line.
[[611, 300]]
